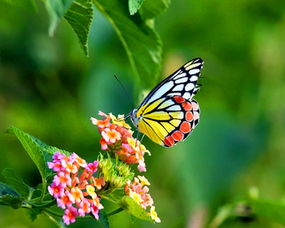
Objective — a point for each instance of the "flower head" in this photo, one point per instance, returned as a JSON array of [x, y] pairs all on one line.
[[74, 187], [138, 191], [118, 138]]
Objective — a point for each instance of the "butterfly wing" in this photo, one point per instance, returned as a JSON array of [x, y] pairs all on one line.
[[171, 121], [182, 83], [168, 114]]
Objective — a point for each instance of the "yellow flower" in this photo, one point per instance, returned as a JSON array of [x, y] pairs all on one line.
[[91, 191], [153, 215], [120, 121], [136, 197], [143, 180], [132, 142]]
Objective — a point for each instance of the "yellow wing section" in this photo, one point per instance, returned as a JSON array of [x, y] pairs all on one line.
[[158, 123]]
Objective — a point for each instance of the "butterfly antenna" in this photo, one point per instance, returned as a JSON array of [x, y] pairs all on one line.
[[125, 90]]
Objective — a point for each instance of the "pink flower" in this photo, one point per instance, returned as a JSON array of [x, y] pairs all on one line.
[[62, 179], [92, 167], [58, 156], [55, 166], [56, 190], [74, 187], [76, 194], [111, 136], [69, 215], [95, 211], [84, 207], [65, 200]]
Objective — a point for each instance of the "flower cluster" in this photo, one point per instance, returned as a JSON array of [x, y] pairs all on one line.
[[138, 191], [118, 138], [74, 186]]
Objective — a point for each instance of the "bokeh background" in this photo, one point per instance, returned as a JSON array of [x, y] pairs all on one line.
[[50, 89]]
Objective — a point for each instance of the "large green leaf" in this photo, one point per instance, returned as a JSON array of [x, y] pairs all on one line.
[[151, 9], [38, 151], [9, 196], [142, 44], [56, 9], [133, 208], [16, 182], [80, 16]]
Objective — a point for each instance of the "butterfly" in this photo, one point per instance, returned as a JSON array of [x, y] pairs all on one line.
[[168, 114]]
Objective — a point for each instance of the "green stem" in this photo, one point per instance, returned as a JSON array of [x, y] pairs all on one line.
[[26, 205], [44, 186], [43, 204], [53, 219], [108, 198], [31, 191], [52, 213], [115, 212]]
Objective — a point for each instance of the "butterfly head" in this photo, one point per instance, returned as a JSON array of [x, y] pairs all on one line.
[[134, 118]]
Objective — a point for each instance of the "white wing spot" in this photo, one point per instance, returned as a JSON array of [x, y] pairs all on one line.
[[180, 75], [186, 95], [193, 78], [181, 80], [178, 87], [166, 104], [174, 94], [192, 65], [162, 90], [174, 108], [194, 71], [189, 86]]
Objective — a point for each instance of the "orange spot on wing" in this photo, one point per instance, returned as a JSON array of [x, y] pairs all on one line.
[[187, 106], [168, 141], [185, 127], [189, 116], [177, 135], [178, 99]]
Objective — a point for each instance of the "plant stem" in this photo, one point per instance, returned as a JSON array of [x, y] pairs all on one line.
[[44, 186], [108, 198], [115, 212], [52, 213]]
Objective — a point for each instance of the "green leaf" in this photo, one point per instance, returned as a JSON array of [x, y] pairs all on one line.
[[34, 212], [142, 44], [134, 6], [80, 16], [275, 211], [151, 9], [16, 182], [56, 9], [38, 151], [9, 196], [103, 219], [133, 208]]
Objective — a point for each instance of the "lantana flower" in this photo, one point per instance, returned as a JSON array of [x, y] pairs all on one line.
[[117, 137], [74, 186], [138, 191]]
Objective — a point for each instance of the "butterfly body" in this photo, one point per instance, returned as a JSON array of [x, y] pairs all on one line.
[[169, 113]]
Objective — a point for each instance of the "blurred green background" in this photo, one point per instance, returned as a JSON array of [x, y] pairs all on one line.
[[50, 89]]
